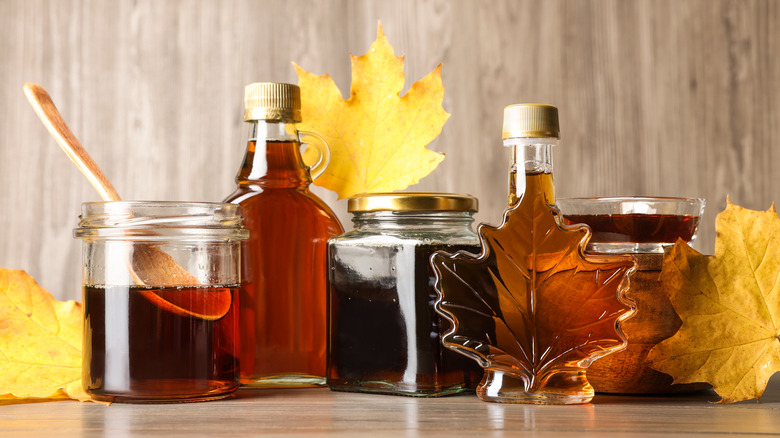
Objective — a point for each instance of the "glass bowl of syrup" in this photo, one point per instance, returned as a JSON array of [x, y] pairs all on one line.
[[634, 224]]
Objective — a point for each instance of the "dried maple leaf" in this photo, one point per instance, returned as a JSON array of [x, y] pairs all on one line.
[[531, 304], [40, 341], [377, 138], [729, 305]]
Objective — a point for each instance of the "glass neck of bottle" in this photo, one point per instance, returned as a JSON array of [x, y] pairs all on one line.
[[273, 156], [532, 168], [270, 130]]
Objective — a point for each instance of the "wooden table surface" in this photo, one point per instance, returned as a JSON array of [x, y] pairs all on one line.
[[323, 412]]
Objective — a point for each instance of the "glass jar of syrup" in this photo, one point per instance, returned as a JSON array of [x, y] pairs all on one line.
[[384, 336], [160, 300]]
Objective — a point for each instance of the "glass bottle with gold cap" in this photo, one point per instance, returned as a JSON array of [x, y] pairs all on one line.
[[531, 130], [282, 299], [532, 308], [384, 335]]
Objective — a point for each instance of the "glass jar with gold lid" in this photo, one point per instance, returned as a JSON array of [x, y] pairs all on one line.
[[384, 335]]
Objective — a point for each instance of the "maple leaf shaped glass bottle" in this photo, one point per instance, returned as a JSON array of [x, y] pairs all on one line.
[[532, 308], [282, 299]]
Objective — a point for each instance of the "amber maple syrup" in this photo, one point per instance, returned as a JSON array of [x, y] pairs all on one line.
[[578, 308], [638, 228], [142, 351], [283, 292], [559, 318]]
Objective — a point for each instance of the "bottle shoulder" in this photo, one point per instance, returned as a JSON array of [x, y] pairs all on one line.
[[252, 194], [283, 203]]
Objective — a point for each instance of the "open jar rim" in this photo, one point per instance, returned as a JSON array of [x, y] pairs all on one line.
[[160, 220]]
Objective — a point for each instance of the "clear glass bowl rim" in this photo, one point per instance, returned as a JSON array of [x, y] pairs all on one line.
[[692, 206]]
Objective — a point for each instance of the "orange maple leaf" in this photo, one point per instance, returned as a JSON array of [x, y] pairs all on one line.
[[40, 342], [377, 138]]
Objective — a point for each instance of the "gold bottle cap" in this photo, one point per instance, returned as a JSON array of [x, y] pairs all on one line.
[[272, 101], [412, 201], [531, 120]]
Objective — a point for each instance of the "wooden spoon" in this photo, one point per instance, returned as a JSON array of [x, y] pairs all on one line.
[[53, 121], [149, 265]]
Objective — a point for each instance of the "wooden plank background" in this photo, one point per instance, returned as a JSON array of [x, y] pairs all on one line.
[[662, 97]]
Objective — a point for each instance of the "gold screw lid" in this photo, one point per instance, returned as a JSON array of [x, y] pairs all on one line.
[[531, 120], [412, 201], [272, 101]]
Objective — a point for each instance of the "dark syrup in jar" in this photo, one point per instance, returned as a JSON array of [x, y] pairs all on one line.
[[637, 228], [142, 350], [385, 334]]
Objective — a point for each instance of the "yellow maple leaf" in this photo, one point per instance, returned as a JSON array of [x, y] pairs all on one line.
[[40, 342], [729, 304], [377, 138]]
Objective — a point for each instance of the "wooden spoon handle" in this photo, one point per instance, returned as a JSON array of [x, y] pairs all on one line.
[[51, 118]]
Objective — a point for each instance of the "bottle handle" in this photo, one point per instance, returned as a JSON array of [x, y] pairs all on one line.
[[321, 146]]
